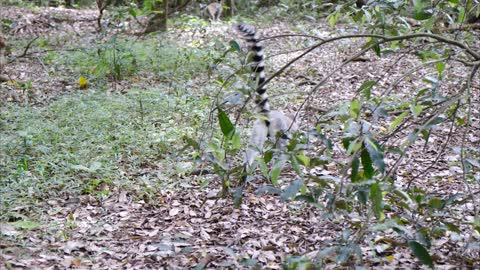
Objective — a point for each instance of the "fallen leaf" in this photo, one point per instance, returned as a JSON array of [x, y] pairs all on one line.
[[173, 212], [82, 82]]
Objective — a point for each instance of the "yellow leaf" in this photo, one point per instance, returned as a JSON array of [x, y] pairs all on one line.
[[12, 83], [390, 258], [82, 82]]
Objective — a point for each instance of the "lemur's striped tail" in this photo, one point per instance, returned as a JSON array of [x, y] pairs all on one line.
[[257, 61]]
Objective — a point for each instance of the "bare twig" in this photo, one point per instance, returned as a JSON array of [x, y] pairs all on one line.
[[442, 150], [466, 27], [27, 47], [462, 152], [292, 35], [381, 39], [406, 74]]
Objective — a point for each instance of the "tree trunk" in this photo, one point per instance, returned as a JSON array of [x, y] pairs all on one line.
[[230, 8], [3, 61], [158, 22], [102, 5]]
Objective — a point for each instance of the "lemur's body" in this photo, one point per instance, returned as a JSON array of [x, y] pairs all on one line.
[[213, 10], [277, 121]]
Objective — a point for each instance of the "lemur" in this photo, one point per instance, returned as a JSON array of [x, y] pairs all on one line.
[[272, 122], [214, 10]]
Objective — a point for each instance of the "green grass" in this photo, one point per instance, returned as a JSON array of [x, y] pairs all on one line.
[[92, 142], [124, 58], [81, 142]]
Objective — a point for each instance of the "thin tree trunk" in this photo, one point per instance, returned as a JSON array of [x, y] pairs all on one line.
[[102, 5], [3, 61], [231, 8]]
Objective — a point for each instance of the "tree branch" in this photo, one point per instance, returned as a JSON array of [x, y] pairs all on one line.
[[382, 39]]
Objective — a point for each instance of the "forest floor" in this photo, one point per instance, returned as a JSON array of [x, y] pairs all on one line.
[[96, 174]]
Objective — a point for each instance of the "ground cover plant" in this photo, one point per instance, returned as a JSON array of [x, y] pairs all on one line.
[[125, 150]]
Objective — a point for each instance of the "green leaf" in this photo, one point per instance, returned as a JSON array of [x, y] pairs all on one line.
[[346, 142], [333, 18], [436, 203], [305, 198], [440, 67], [354, 108], [387, 225], [267, 156], [190, 142], [204, 183], [304, 160], [261, 117], [362, 196], [267, 189], [376, 153], [434, 122], [377, 50], [234, 46], [225, 124], [354, 173], [404, 195], [420, 11], [421, 253], [263, 167], [461, 14], [461, 121], [428, 25], [236, 141], [452, 227], [416, 109], [291, 190], [426, 134], [344, 254], [423, 237], [454, 3], [295, 165], [366, 88], [420, 16], [367, 163], [133, 12], [376, 198], [354, 146], [397, 121], [276, 170]]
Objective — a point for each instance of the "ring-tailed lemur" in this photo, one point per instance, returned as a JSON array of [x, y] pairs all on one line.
[[263, 129], [214, 10]]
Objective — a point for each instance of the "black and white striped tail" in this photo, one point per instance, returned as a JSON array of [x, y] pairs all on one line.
[[256, 49]]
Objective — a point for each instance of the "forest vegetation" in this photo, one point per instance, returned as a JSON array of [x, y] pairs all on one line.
[[124, 126]]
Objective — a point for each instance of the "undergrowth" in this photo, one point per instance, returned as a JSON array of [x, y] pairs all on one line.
[[119, 58], [84, 142]]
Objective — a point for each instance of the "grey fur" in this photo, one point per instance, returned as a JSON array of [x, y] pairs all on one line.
[[213, 10], [277, 120]]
